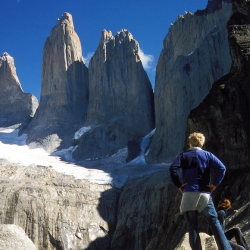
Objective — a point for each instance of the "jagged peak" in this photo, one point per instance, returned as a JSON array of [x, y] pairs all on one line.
[[106, 36], [66, 17], [5, 54], [212, 6], [6, 57], [123, 33]]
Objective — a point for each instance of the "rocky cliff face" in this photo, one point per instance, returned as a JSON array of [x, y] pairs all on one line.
[[57, 211], [120, 97], [195, 54], [64, 91], [15, 105], [223, 116]]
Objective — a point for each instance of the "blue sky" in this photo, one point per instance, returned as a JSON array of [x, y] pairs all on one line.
[[25, 25]]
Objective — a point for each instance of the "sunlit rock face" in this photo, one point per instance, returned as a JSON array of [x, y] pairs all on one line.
[[15, 105], [195, 54], [120, 97], [13, 237], [64, 90], [223, 116], [57, 211]]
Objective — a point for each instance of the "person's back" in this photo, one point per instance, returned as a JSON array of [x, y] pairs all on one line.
[[195, 164], [196, 189]]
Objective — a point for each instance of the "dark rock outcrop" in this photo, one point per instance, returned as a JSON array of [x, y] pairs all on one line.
[[120, 97], [15, 105], [64, 91], [195, 54], [224, 115], [134, 148], [212, 6]]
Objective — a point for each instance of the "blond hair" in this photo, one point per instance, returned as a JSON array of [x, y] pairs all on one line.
[[197, 139]]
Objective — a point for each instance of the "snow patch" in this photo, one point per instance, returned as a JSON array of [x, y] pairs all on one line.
[[65, 154], [112, 170], [190, 53], [80, 132], [144, 144]]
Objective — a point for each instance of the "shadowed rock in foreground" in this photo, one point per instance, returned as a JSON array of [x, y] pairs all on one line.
[[64, 92], [15, 105]]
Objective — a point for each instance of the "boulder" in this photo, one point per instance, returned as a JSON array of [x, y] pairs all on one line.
[[120, 97], [195, 54], [207, 242], [13, 237], [64, 91], [15, 105]]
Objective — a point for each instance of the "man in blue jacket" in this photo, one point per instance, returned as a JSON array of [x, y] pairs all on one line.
[[196, 189]]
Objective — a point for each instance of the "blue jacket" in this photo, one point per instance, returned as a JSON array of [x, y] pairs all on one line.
[[195, 165]]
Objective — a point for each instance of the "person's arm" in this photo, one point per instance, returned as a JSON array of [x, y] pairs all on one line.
[[219, 168], [174, 171]]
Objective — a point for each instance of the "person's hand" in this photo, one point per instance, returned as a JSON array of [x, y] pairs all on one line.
[[212, 187], [182, 187]]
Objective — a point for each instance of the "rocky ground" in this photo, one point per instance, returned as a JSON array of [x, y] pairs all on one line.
[[57, 211]]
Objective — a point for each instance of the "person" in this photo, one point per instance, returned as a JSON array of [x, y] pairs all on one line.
[[223, 206], [196, 189]]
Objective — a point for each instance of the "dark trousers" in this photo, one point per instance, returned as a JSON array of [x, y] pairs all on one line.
[[241, 243], [212, 219]]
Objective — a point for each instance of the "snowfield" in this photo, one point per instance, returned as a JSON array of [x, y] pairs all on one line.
[[111, 170]]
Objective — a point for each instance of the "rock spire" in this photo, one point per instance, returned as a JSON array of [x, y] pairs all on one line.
[[64, 90], [15, 105], [120, 97]]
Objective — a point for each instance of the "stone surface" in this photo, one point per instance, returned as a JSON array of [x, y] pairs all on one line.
[[13, 237], [223, 116], [195, 54], [64, 91], [120, 97], [15, 105], [207, 242], [141, 207], [57, 211]]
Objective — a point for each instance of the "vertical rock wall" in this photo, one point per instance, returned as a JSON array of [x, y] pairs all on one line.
[[195, 54], [120, 97], [224, 115], [64, 92], [15, 105]]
